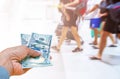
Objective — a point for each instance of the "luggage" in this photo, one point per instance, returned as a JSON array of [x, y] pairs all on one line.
[[58, 32]]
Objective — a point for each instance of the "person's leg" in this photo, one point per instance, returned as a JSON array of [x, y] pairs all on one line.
[[77, 39], [94, 25], [102, 45], [102, 25], [112, 38], [99, 32], [75, 35], [96, 32], [118, 35], [110, 35], [63, 36], [103, 41]]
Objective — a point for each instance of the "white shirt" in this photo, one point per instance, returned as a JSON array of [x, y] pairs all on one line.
[[91, 4]]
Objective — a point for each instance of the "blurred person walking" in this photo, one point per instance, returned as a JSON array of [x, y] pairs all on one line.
[[111, 26], [103, 15], [69, 20], [95, 20]]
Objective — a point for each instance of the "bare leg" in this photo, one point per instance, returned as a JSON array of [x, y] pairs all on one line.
[[63, 36], [102, 26], [103, 40], [102, 45], [110, 35], [76, 36], [96, 32], [112, 38], [99, 32], [118, 35]]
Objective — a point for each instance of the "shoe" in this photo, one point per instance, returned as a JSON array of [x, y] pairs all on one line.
[[95, 58], [112, 45], [92, 43], [77, 50], [95, 47], [55, 48], [82, 42]]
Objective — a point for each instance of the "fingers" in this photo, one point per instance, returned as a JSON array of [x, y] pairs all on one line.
[[22, 51], [33, 53], [17, 68], [14, 55]]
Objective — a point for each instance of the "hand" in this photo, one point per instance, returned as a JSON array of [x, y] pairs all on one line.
[[10, 58], [100, 15], [60, 7]]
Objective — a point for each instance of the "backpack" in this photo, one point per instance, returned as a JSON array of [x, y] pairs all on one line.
[[114, 11], [81, 7]]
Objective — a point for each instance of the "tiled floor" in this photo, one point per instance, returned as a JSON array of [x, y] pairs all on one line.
[[25, 16]]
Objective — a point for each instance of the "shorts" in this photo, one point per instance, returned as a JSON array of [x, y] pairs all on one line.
[[111, 26], [95, 22]]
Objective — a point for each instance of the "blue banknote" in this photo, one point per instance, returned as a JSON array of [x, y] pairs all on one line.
[[25, 39], [40, 43]]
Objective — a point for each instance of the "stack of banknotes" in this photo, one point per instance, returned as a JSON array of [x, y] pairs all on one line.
[[40, 43]]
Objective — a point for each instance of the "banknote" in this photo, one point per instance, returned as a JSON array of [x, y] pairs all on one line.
[[40, 43], [25, 39], [30, 62]]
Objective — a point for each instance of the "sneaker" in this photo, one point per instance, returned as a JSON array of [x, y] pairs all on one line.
[[55, 48], [77, 50]]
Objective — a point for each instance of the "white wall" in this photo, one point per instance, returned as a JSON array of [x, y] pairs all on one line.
[[26, 16]]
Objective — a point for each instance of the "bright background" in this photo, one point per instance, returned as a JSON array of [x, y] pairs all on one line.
[[42, 16]]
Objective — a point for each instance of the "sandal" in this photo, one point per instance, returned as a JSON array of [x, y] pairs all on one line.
[[82, 42], [95, 47], [93, 43], [95, 58], [55, 48], [112, 45], [77, 50]]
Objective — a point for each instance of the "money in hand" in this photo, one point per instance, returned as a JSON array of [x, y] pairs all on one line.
[[40, 43]]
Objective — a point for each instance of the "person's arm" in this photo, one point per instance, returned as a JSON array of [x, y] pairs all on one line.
[[72, 4], [93, 9], [103, 14], [66, 6], [4, 73], [10, 59]]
